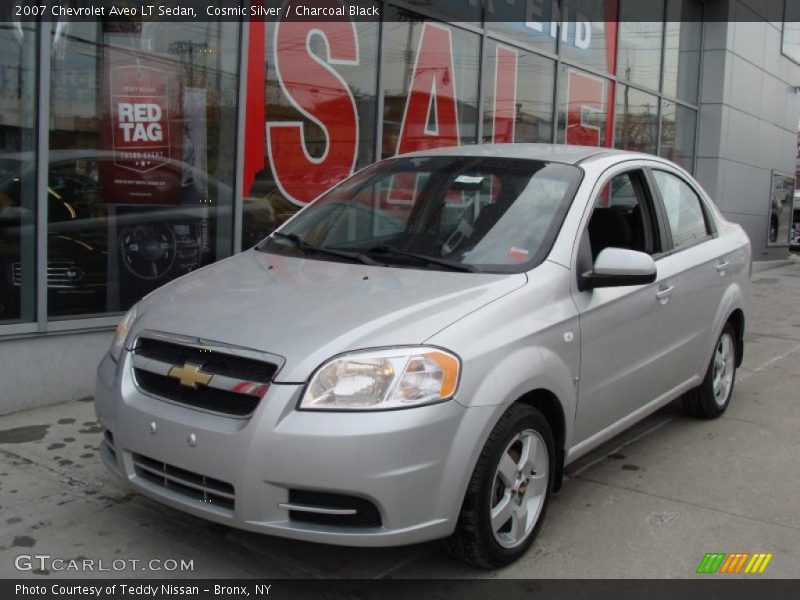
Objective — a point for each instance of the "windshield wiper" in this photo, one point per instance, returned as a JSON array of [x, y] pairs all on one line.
[[300, 243], [442, 262]]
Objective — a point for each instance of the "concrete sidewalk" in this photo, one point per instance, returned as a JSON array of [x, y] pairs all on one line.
[[649, 504]]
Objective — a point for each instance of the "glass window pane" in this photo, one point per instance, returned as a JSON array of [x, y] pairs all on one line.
[[320, 96], [683, 35], [678, 125], [532, 23], [619, 219], [791, 30], [18, 42], [635, 120], [639, 53], [142, 137], [684, 211], [518, 95], [431, 84], [587, 33], [780, 217], [538, 35], [583, 108]]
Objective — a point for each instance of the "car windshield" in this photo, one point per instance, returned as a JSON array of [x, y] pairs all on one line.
[[460, 213]]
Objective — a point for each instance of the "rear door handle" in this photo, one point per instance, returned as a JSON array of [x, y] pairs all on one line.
[[722, 267], [664, 294]]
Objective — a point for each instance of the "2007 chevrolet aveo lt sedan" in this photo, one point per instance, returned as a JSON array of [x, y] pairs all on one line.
[[420, 352]]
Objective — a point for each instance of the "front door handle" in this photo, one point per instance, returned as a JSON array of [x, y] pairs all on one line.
[[664, 294], [722, 267]]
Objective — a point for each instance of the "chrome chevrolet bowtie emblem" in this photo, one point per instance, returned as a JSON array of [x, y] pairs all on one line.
[[190, 375]]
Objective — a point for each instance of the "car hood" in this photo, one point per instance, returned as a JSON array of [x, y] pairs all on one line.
[[309, 310]]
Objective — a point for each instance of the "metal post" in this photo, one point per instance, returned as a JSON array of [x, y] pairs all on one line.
[[42, 172]]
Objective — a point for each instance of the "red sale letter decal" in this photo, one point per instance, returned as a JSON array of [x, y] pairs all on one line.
[[317, 91], [505, 95], [430, 119], [585, 94]]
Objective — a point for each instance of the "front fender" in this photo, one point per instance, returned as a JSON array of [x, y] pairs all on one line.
[[521, 372]]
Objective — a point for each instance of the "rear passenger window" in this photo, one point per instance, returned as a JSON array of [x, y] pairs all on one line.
[[684, 210]]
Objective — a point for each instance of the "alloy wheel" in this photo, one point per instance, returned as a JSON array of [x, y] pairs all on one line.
[[519, 488], [724, 361]]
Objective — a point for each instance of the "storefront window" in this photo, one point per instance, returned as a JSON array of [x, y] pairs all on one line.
[[639, 52], [678, 125], [583, 115], [540, 35], [431, 85], [588, 33], [320, 96], [18, 42], [780, 215], [518, 95], [635, 120], [142, 141], [683, 33], [790, 43]]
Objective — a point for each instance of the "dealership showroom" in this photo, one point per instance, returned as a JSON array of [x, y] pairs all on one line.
[[135, 152]]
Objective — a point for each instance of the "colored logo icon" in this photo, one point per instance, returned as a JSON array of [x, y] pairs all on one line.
[[733, 563]]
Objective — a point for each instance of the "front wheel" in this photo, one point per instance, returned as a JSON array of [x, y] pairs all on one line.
[[710, 399], [507, 496]]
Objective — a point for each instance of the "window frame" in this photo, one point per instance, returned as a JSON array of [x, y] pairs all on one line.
[[711, 228]]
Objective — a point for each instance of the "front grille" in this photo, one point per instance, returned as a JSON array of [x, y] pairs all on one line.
[[195, 486], [236, 386], [213, 362], [205, 398], [367, 514]]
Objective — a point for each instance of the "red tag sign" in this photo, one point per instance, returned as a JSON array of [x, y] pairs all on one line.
[[139, 131], [139, 117]]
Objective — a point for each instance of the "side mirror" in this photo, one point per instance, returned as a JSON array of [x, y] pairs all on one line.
[[617, 267]]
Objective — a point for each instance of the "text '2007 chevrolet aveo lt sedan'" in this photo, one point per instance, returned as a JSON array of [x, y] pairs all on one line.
[[420, 352]]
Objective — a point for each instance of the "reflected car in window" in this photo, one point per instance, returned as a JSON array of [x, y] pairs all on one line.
[[96, 246], [421, 351]]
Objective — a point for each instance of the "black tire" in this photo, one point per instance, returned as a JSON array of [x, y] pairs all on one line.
[[474, 539], [702, 401]]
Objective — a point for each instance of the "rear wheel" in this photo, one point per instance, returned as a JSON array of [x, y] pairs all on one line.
[[507, 496], [710, 399]]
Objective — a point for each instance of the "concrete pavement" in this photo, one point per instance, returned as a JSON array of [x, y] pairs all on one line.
[[650, 503]]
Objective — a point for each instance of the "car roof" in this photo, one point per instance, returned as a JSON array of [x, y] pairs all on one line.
[[560, 153]]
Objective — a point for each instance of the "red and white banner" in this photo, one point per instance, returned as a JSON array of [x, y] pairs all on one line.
[[140, 130]]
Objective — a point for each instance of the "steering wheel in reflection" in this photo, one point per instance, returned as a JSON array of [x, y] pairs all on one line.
[[148, 251]]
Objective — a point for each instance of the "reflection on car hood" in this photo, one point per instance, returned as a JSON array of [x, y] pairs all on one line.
[[309, 310]]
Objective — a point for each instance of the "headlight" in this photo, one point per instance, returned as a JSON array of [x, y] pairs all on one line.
[[122, 331], [383, 379]]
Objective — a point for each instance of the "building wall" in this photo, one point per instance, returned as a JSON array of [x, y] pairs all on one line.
[[44, 370], [749, 112]]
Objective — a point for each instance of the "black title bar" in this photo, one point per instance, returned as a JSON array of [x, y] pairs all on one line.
[[472, 11]]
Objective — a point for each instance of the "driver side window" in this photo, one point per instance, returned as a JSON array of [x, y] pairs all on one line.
[[623, 216]]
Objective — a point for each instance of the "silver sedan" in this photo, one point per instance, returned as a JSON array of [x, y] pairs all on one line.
[[420, 352]]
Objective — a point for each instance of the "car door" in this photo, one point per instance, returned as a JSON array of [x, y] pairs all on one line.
[[628, 341], [703, 260]]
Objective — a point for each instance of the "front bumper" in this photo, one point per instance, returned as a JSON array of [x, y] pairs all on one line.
[[413, 464]]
